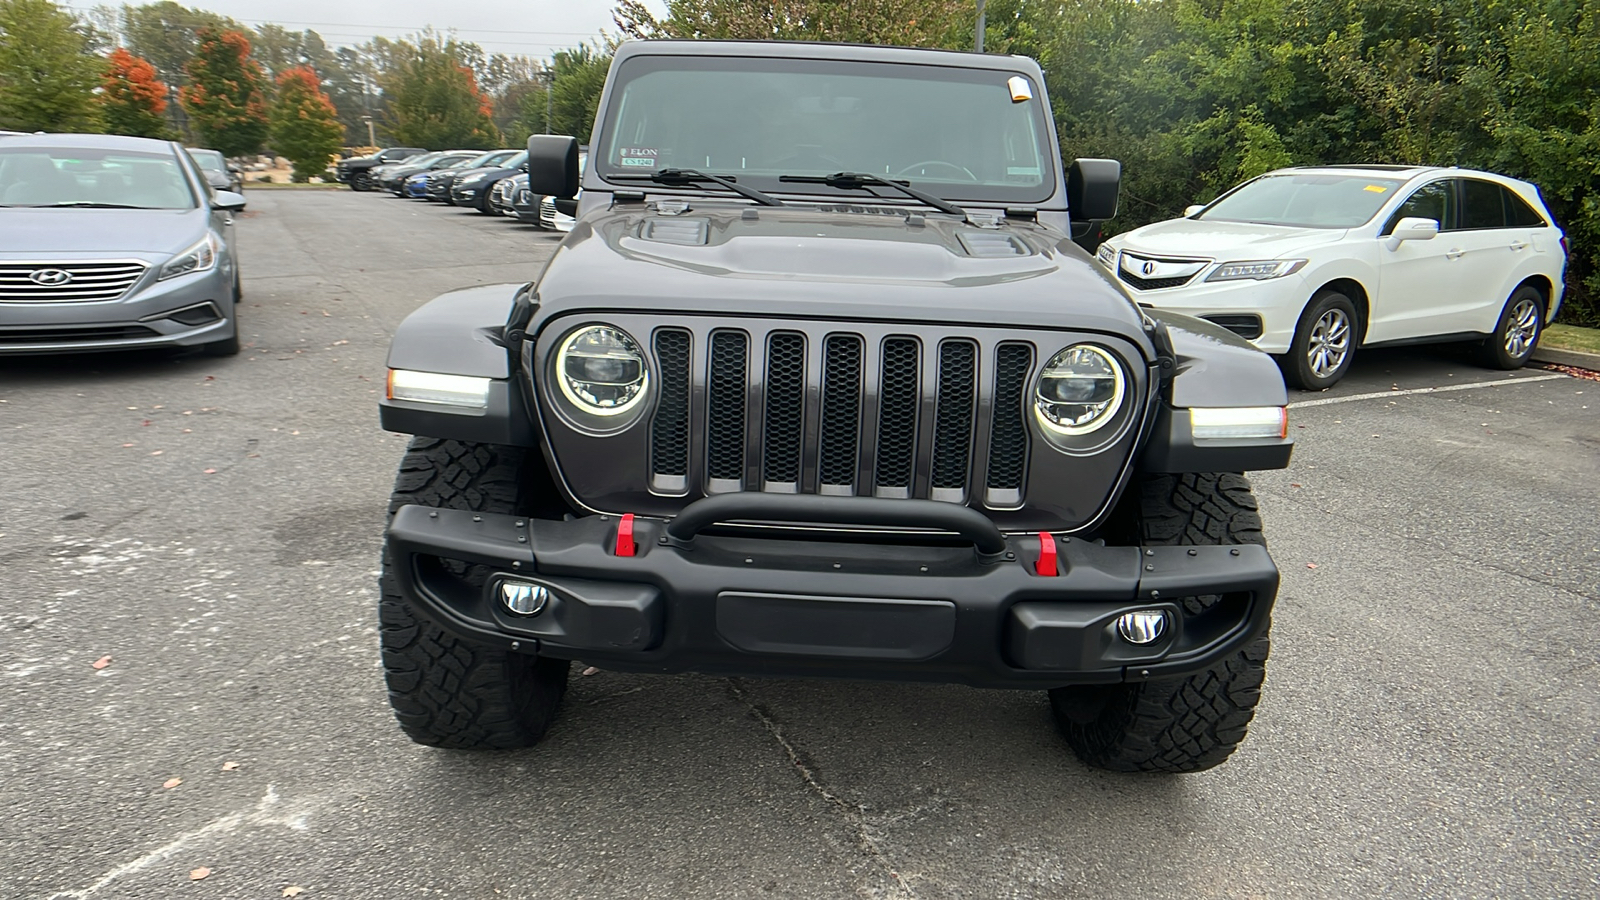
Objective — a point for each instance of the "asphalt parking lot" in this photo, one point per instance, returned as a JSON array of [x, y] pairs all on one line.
[[1430, 727]]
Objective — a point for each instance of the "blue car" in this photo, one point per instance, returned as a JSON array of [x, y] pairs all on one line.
[[415, 186], [113, 243]]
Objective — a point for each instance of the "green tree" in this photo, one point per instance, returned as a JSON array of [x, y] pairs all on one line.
[[224, 96], [47, 73], [434, 99], [305, 125], [910, 23], [578, 76], [133, 97], [168, 34]]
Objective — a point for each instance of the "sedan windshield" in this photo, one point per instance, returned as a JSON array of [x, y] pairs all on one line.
[[209, 160], [959, 133], [44, 176], [1304, 200]]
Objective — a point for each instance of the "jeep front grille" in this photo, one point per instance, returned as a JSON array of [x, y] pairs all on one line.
[[73, 282], [832, 416]]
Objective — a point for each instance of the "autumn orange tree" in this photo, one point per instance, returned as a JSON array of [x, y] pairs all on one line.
[[224, 97], [133, 97], [305, 124]]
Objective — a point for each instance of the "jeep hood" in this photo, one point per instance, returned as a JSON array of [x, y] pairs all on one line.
[[844, 262], [1239, 240]]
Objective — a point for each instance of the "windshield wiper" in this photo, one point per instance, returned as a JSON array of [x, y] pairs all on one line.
[[855, 181], [82, 204], [675, 177]]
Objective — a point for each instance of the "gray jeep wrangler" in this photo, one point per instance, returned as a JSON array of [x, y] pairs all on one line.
[[820, 385]]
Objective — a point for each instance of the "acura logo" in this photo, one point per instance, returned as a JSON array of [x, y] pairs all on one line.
[[50, 277], [1149, 268]]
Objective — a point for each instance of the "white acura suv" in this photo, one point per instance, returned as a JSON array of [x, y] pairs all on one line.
[[1310, 263]]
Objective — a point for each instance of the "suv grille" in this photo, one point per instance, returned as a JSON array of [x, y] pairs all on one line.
[[67, 282], [863, 395]]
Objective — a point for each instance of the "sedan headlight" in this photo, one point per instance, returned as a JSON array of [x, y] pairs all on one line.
[[200, 257], [1255, 269], [602, 371], [1080, 390]]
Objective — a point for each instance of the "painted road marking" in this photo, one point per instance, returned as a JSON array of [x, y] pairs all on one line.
[[1427, 390]]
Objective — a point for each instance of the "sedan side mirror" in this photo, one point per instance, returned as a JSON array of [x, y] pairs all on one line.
[[1189, 211], [553, 165], [1092, 189], [1412, 228], [229, 201]]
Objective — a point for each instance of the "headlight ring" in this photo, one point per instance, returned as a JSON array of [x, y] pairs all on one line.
[[602, 371], [1080, 391]]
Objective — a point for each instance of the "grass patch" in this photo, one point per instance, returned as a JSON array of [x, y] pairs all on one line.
[[1571, 337]]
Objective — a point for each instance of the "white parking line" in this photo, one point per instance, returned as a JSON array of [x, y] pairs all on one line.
[[1427, 390]]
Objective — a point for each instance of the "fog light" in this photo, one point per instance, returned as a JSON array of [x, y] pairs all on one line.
[[1143, 627], [524, 599]]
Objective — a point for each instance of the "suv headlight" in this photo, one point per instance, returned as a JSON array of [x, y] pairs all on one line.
[[1255, 269], [198, 258], [602, 371], [1080, 390], [1107, 256]]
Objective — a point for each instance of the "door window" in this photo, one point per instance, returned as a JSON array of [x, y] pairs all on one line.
[[1434, 201], [1481, 206]]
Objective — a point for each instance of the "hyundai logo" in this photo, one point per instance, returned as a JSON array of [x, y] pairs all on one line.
[[50, 277], [1149, 268]]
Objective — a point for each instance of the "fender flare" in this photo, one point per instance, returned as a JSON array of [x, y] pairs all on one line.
[[462, 333]]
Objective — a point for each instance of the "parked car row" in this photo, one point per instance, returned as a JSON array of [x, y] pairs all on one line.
[[494, 182]]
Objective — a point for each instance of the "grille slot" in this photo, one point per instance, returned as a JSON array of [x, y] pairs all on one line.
[[952, 431], [725, 406], [62, 335], [84, 281], [783, 421], [669, 447], [898, 399], [1154, 284], [1008, 436], [841, 412]]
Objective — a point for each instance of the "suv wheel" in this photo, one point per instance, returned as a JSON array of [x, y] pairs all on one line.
[[1517, 334], [1324, 342], [446, 691], [1180, 724], [360, 180]]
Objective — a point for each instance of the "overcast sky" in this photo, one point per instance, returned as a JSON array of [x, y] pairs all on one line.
[[527, 27]]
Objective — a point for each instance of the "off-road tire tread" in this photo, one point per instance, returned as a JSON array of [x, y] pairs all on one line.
[[446, 691], [1184, 724]]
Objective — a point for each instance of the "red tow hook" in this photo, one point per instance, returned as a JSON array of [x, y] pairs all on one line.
[[1047, 555], [625, 546]]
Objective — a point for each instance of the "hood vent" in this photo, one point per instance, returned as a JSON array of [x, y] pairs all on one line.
[[690, 232], [870, 210], [991, 245]]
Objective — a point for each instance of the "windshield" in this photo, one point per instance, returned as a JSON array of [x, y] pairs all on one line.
[[953, 132], [488, 159], [1304, 200], [423, 159], [210, 160], [42, 176]]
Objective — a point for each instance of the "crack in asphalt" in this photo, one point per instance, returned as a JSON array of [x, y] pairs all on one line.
[[851, 812]]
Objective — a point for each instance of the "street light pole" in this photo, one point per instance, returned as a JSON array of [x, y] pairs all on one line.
[[978, 43], [372, 137]]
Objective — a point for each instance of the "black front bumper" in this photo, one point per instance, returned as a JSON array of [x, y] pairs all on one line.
[[836, 607]]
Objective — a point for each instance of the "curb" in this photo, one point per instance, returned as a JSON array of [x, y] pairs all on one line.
[[1576, 358]]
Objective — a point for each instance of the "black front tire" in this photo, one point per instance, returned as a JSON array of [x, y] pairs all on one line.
[[1324, 342], [360, 181], [1517, 333], [447, 691], [1184, 724]]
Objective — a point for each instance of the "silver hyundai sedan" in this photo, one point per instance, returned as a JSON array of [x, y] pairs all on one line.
[[113, 243]]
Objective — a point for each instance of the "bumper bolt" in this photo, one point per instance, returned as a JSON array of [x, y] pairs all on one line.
[[1234, 551], [1194, 552]]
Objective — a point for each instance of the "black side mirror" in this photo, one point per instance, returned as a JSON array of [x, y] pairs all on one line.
[[1092, 189], [553, 165]]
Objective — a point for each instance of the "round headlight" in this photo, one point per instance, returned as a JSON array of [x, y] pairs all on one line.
[[601, 370], [1080, 390]]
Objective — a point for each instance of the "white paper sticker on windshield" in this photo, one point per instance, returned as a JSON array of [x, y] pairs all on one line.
[[1020, 89], [639, 157]]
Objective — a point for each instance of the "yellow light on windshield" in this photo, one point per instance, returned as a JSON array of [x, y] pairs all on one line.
[[1020, 89]]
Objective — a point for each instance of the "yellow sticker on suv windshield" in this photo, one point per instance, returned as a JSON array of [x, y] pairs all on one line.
[[1376, 188]]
